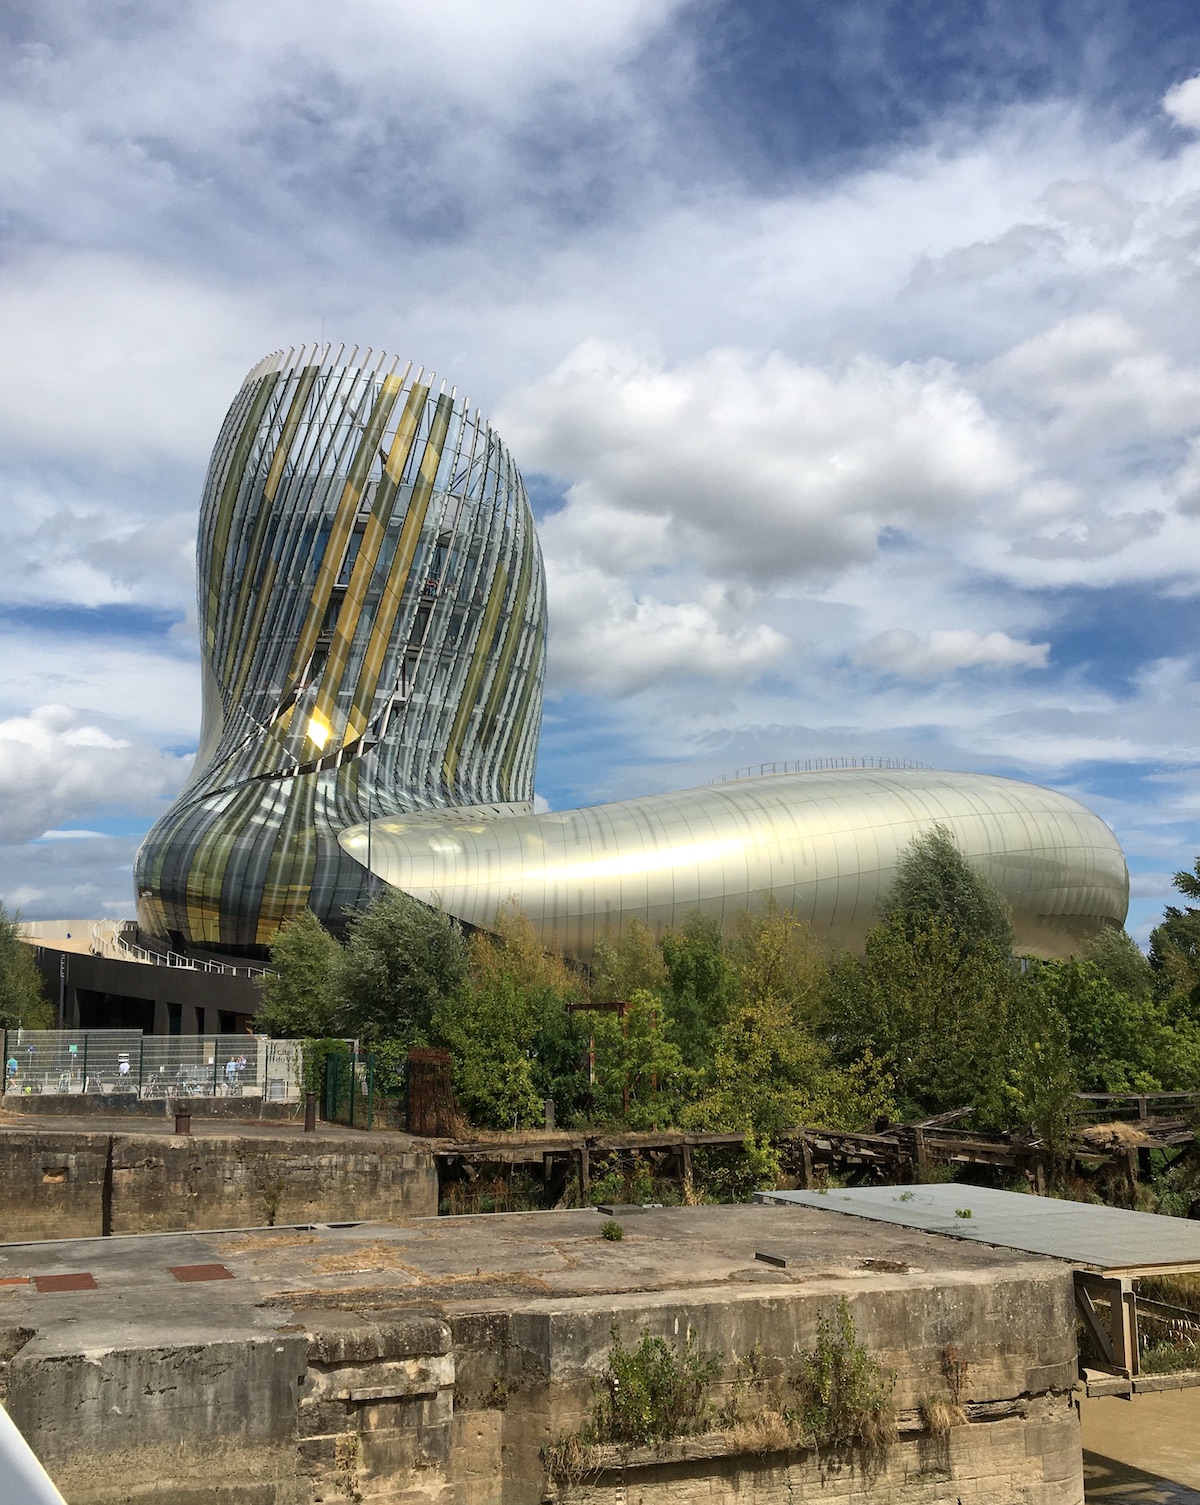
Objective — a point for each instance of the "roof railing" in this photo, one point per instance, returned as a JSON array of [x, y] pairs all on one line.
[[816, 765], [108, 939]]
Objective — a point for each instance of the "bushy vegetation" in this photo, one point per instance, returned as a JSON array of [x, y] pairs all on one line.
[[23, 1003], [761, 1030]]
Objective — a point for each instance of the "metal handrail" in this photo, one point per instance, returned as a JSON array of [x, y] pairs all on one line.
[[817, 765], [107, 943]]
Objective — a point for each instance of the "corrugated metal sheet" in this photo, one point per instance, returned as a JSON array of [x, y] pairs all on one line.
[[1099, 1238]]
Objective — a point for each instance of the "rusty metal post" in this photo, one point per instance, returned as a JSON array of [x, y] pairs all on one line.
[[183, 1121], [310, 1112]]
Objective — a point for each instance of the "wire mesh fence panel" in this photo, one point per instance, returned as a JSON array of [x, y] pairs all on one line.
[[66, 1061], [115, 1062]]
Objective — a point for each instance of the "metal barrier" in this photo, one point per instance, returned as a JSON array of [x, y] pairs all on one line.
[[110, 938], [111, 1062], [816, 765]]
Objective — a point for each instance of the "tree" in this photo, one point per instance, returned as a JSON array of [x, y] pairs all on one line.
[[512, 1039], [640, 1075], [701, 985], [1118, 960], [402, 960], [931, 1010], [936, 884], [302, 993], [1114, 1037], [23, 1002], [1040, 1084], [769, 1070], [1175, 944], [627, 965]]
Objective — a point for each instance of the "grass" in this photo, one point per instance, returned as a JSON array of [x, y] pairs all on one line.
[[1170, 1358]]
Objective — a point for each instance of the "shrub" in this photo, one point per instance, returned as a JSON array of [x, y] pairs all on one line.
[[655, 1391], [844, 1394]]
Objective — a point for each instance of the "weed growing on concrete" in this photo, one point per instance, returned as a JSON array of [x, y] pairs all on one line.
[[345, 1461], [655, 1391], [845, 1396], [754, 1415], [938, 1415], [570, 1457], [650, 1394], [612, 1230], [1170, 1357], [963, 1212]]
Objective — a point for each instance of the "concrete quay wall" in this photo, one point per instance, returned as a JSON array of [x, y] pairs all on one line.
[[453, 1405], [57, 1184]]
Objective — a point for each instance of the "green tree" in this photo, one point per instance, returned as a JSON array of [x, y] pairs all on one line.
[[769, 1070], [931, 1010], [23, 1002], [627, 964], [513, 1041], [302, 993], [935, 884], [1114, 1038], [1175, 944], [700, 982], [1118, 960], [640, 1076], [402, 959], [1040, 1080]]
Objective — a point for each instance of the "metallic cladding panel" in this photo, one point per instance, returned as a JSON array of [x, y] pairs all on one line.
[[362, 541], [1104, 1238], [825, 844]]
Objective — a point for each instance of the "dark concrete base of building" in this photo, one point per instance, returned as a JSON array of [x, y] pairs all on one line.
[[100, 992], [435, 1361]]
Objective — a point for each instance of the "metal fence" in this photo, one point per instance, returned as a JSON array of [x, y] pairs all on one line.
[[104, 1062]]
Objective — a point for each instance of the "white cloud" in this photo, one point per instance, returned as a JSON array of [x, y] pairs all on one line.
[[110, 356], [1182, 103], [54, 767], [609, 639], [765, 469], [1101, 382], [946, 650]]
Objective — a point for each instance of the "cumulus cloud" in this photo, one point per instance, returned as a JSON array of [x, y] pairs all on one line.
[[56, 767], [769, 468], [943, 651], [608, 638], [1100, 381], [1182, 103], [109, 356]]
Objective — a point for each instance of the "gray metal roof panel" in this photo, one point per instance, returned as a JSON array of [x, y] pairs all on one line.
[[1100, 1238]]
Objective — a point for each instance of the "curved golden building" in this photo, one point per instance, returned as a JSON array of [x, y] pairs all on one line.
[[824, 844], [372, 630]]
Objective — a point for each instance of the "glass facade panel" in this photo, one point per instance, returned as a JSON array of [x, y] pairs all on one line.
[[372, 622]]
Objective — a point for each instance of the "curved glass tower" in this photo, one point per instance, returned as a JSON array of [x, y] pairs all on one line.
[[372, 624]]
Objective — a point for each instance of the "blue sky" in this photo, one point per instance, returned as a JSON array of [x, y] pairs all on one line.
[[851, 352]]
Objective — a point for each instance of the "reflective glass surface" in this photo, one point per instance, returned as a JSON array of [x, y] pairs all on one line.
[[372, 624]]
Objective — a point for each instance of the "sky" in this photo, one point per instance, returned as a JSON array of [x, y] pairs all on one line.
[[851, 354]]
